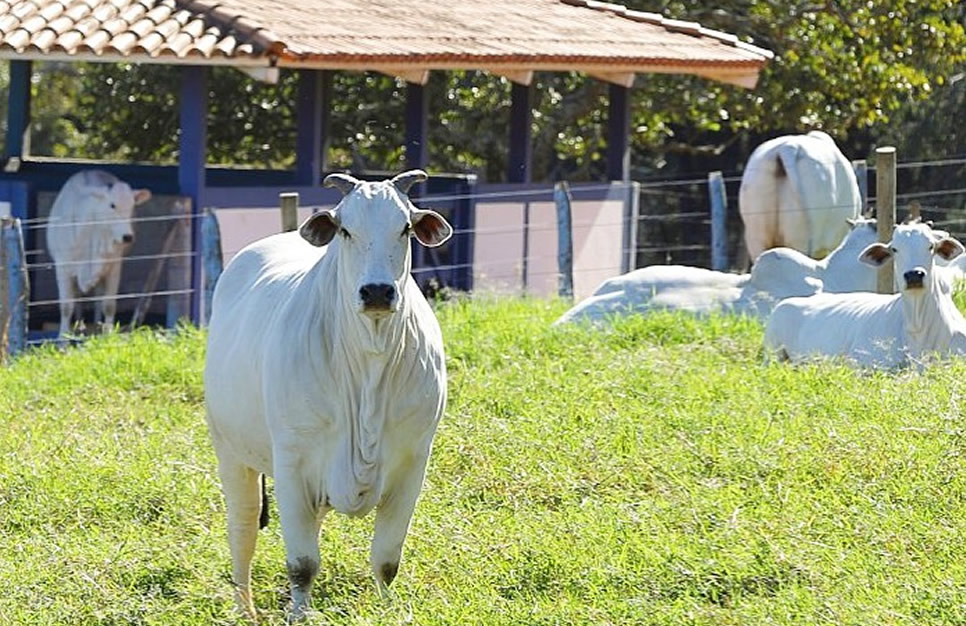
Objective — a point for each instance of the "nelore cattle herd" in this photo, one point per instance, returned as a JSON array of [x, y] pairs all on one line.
[[325, 367]]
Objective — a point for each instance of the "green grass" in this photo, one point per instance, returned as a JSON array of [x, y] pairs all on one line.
[[655, 473]]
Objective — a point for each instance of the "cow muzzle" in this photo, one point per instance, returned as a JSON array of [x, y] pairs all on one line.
[[378, 299], [914, 278]]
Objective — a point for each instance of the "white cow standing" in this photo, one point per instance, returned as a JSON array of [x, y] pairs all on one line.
[[874, 330], [325, 369], [797, 191], [777, 273], [87, 235]]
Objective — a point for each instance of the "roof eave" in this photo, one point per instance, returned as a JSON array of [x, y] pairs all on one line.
[[743, 74]]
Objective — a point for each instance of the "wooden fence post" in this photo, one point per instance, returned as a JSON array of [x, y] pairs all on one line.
[[719, 221], [18, 286], [885, 208], [211, 259], [289, 202], [915, 210], [565, 242], [861, 169]]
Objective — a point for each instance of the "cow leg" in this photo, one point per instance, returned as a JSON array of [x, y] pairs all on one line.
[[393, 516], [66, 293], [107, 303], [300, 519], [243, 501]]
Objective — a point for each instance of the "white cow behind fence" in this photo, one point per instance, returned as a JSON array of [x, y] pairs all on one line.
[[797, 191], [777, 273], [88, 232], [325, 369], [874, 330]]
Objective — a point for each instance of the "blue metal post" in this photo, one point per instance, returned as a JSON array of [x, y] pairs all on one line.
[[565, 240], [211, 258], [191, 163], [521, 150], [18, 110], [417, 141], [618, 134], [18, 287], [310, 138], [719, 222]]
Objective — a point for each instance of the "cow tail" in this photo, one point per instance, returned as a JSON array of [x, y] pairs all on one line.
[[263, 514]]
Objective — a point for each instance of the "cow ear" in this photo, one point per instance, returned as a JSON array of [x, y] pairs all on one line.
[[948, 248], [141, 196], [876, 254], [430, 228], [319, 229]]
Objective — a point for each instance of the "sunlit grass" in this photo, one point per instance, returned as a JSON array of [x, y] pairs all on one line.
[[654, 473]]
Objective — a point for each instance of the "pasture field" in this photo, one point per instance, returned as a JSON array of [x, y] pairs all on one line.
[[656, 473]]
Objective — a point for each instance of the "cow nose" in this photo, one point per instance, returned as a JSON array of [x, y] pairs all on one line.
[[377, 295], [128, 238], [914, 277]]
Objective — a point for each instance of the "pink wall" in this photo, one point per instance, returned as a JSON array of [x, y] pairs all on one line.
[[598, 235], [240, 227]]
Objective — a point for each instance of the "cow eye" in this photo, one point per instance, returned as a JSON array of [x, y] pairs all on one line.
[[113, 206], [345, 234]]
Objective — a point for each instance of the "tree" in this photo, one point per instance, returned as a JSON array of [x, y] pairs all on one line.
[[850, 67]]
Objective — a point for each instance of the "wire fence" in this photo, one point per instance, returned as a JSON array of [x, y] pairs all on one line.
[[514, 235], [674, 223]]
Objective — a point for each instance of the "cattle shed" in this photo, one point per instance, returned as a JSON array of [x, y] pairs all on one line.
[[406, 39]]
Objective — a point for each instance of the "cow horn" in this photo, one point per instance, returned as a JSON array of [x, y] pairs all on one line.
[[407, 179], [343, 182]]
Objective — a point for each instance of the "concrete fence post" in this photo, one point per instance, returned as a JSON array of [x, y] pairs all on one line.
[[861, 169], [18, 286], [885, 208], [719, 221], [565, 242], [211, 259], [178, 273], [632, 214], [289, 203]]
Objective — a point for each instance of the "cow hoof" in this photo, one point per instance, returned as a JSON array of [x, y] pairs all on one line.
[[384, 577], [388, 573]]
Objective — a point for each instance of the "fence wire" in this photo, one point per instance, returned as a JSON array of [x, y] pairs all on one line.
[[672, 226]]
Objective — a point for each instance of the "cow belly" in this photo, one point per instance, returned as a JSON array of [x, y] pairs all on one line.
[[235, 417]]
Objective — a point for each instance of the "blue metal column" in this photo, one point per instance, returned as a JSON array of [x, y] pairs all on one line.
[[618, 134], [521, 144], [192, 155], [417, 152], [18, 110], [417, 141], [312, 115]]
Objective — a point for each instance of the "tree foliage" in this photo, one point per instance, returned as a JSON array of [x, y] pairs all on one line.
[[860, 70]]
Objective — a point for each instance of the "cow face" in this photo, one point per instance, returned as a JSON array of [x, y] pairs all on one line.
[[112, 209], [370, 230], [913, 250]]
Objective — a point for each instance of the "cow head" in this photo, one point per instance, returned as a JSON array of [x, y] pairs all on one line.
[[370, 230], [112, 207], [913, 249]]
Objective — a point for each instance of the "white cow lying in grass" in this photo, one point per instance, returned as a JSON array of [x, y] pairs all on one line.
[[325, 369], [777, 273], [88, 233], [797, 191], [879, 330]]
